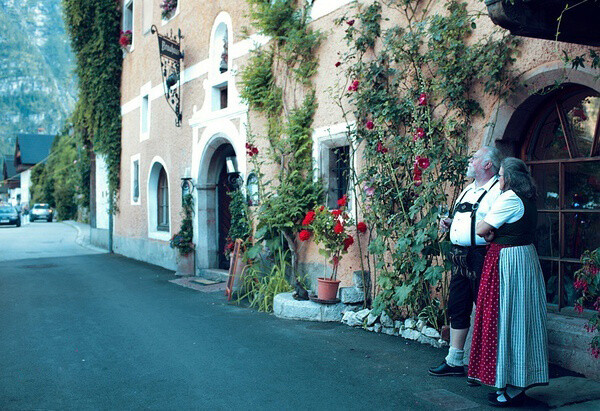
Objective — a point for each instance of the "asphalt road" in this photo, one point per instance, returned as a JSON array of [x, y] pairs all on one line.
[[100, 331]]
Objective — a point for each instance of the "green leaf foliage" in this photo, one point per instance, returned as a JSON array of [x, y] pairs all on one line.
[[94, 29]]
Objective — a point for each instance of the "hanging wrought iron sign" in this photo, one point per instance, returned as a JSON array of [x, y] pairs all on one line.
[[170, 67]]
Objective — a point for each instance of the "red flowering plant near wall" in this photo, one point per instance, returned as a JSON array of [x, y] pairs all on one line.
[[587, 281], [328, 229]]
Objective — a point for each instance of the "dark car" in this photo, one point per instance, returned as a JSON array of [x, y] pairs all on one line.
[[41, 212], [9, 215]]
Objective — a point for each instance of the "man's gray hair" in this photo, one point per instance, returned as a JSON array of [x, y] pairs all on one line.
[[494, 156]]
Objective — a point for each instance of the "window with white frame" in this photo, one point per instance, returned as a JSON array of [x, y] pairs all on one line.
[[337, 173], [135, 179], [128, 18], [162, 202], [147, 15], [144, 114]]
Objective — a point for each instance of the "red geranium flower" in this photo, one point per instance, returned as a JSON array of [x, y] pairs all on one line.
[[310, 216], [342, 201], [339, 228], [423, 99], [304, 235], [338, 64], [336, 213], [369, 125], [361, 227], [350, 22], [322, 208]]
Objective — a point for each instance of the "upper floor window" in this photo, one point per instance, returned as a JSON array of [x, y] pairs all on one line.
[[128, 17]]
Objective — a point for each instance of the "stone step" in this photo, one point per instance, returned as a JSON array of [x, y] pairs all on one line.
[[215, 274]]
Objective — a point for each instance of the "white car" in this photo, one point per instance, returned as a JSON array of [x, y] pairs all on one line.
[[41, 212]]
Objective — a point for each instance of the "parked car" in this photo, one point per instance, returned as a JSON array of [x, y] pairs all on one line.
[[9, 215], [41, 212]]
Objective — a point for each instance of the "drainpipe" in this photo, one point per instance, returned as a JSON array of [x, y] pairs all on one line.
[[110, 225]]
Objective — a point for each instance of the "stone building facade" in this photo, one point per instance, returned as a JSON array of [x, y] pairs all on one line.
[[157, 155]]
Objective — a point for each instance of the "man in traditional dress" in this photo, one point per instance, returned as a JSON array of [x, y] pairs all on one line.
[[468, 253]]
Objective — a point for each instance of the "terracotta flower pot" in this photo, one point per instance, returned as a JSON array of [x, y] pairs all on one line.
[[327, 288]]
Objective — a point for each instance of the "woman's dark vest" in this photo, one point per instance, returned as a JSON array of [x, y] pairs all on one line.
[[522, 231]]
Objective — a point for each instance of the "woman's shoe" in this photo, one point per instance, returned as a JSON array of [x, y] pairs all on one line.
[[510, 402], [472, 382]]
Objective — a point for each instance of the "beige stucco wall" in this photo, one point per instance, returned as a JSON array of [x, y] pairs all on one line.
[[183, 147]]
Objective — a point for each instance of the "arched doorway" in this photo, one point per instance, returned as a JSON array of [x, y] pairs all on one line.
[[215, 180], [560, 142]]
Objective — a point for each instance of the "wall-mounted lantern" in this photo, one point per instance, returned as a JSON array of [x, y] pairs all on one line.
[[186, 185]]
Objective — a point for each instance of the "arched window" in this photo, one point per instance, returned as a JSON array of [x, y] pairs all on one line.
[[162, 201], [562, 150], [219, 72]]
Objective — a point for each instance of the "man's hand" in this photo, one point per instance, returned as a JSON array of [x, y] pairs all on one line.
[[445, 224]]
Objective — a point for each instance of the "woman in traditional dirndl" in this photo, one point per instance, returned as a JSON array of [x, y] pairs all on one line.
[[509, 349]]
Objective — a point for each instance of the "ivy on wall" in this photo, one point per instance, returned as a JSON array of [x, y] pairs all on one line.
[[277, 83], [94, 29]]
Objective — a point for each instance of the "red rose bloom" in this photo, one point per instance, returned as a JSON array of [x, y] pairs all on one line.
[[350, 22], [369, 125], [338, 64], [423, 99], [422, 162], [310, 216], [380, 148], [420, 133], [361, 227], [342, 201], [339, 228], [336, 213], [304, 235], [254, 150], [348, 241]]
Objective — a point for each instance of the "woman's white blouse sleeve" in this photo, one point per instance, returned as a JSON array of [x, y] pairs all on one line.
[[507, 208]]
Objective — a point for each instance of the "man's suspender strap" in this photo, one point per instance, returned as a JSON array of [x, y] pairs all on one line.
[[474, 214]]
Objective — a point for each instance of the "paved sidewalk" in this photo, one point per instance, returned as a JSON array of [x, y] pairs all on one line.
[[83, 234]]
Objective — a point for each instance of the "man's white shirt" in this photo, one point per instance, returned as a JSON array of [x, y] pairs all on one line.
[[460, 230]]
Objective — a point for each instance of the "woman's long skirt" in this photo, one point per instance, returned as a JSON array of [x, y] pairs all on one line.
[[509, 339]]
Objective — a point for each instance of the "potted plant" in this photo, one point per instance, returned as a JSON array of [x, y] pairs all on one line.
[[328, 230], [183, 240], [125, 39], [587, 281], [168, 8]]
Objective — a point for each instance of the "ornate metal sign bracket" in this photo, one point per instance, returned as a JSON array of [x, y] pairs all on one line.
[[170, 67]]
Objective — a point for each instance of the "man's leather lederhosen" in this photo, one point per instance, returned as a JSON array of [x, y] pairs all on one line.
[[467, 263]]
